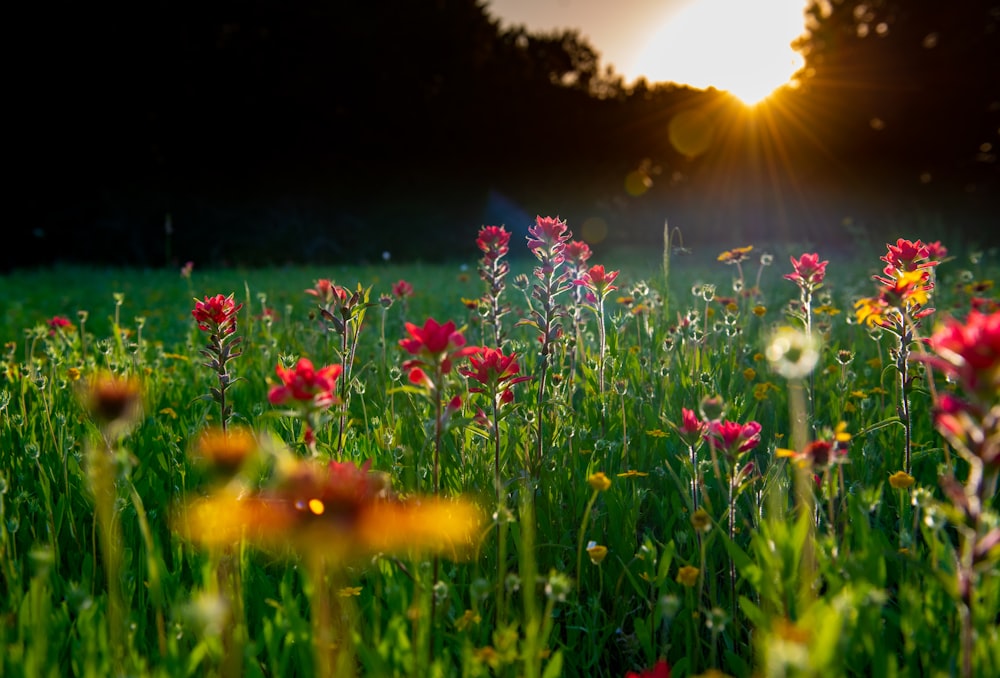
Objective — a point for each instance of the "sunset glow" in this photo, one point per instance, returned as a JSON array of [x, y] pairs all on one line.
[[741, 47]]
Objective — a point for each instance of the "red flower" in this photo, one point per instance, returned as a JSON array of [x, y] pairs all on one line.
[[577, 252], [216, 314], [660, 670], [691, 428], [327, 292], [732, 437], [58, 323], [436, 346], [494, 241], [402, 289], [906, 255], [496, 372], [598, 282], [549, 236], [306, 385], [809, 271], [969, 352]]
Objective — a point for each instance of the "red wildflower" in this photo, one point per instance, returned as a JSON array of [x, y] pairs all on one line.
[[402, 289], [493, 241], [691, 428], [732, 437], [549, 235], [809, 271], [577, 253], [435, 346], [327, 292], [216, 314], [660, 670], [306, 385], [496, 372], [906, 255], [969, 352], [598, 282], [59, 323]]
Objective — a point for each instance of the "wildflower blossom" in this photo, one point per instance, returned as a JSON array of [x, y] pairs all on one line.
[[216, 314], [401, 289], [901, 480], [660, 670], [577, 253], [597, 282], [225, 451], [493, 241], [688, 575], [736, 255], [306, 386], [733, 438], [599, 481], [548, 238], [59, 323], [968, 352], [496, 373], [114, 400], [793, 353], [597, 553], [808, 271], [691, 429], [327, 292], [339, 511], [436, 347]]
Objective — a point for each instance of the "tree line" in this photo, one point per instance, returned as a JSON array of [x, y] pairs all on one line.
[[314, 130]]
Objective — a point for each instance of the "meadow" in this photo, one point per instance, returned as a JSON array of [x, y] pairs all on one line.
[[767, 460]]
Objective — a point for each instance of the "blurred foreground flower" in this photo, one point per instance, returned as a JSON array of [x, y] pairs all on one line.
[[336, 511], [660, 670]]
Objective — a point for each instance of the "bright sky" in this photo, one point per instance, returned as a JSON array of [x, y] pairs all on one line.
[[741, 46]]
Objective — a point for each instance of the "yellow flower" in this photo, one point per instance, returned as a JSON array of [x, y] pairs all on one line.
[[225, 451], [114, 401], [901, 480], [657, 433], [599, 481], [701, 520], [349, 591], [336, 511], [759, 310], [632, 473], [736, 255], [469, 618], [73, 374], [749, 374], [688, 575], [597, 553]]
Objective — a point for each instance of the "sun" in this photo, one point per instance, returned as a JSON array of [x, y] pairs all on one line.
[[741, 47]]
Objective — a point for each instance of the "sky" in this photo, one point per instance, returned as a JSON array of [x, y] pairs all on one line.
[[742, 46]]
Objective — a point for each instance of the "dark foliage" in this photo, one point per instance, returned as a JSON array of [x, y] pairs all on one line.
[[318, 131]]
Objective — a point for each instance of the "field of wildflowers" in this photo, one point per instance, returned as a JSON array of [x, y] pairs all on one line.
[[530, 467]]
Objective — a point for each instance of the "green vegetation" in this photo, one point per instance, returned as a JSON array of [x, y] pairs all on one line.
[[709, 464]]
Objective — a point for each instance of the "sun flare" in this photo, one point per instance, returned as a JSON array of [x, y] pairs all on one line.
[[741, 47]]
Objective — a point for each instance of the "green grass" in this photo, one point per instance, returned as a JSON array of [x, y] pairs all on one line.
[[863, 584]]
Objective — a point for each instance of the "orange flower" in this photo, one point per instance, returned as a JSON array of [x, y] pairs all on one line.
[[337, 511]]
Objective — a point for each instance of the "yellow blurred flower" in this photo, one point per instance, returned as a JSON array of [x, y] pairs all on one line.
[[597, 553], [901, 480], [599, 481], [632, 473], [224, 451], [688, 575], [701, 520], [349, 591], [337, 511]]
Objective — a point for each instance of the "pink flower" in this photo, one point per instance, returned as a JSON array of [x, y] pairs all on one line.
[[732, 437], [493, 241], [549, 237], [809, 271], [216, 314], [435, 345], [495, 372], [402, 289], [305, 385], [327, 292]]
